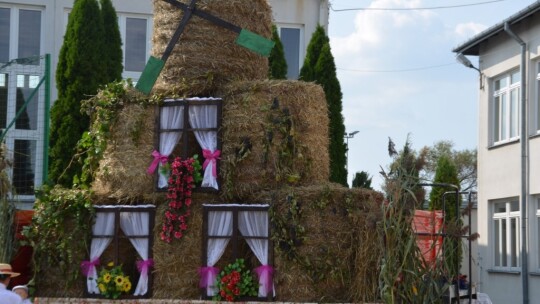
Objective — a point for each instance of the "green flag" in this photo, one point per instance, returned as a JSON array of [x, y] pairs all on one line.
[[254, 42]]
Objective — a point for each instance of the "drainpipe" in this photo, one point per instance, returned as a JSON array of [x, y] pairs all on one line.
[[524, 141]]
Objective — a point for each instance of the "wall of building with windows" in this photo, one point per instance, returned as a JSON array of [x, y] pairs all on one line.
[[499, 164]]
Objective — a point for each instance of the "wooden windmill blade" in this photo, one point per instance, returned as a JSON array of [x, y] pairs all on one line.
[[245, 38]]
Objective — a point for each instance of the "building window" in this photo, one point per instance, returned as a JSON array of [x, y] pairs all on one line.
[[232, 232], [506, 223], [506, 107], [538, 231], [136, 33], [122, 234], [20, 33], [189, 127], [290, 37]]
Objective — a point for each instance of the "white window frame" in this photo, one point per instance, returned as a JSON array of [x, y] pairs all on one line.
[[536, 234], [14, 27], [122, 19], [507, 217], [301, 45], [505, 92], [536, 113]]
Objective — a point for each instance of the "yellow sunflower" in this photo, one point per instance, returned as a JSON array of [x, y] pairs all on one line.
[[107, 277], [102, 287], [127, 286], [111, 264], [119, 280]]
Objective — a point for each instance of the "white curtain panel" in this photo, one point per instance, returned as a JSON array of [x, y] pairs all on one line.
[[137, 223], [255, 223], [219, 224], [104, 225], [205, 116], [171, 118]]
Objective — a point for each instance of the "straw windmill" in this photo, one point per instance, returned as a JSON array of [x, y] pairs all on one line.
[[264, 149]]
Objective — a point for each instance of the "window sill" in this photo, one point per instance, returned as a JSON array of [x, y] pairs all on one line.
[[503, 271], [504, 144], [534, 274]]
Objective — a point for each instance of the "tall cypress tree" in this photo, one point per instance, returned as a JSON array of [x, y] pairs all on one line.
[[112, 48], [79, 73], [324, 73], [447, 173], [317, 42], [276, 61]]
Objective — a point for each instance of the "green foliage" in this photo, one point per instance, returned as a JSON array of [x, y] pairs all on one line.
[[405, 277], [316, 43], [362, 180], [112, 48], [113, 282], [60, 231], [447, 173], [288, 232], [79, 73], [276, 61], [325, 73], [464, 160]]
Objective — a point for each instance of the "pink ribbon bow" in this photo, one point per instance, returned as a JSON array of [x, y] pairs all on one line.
[[87, 266], [208, 275], [158, 158], [265, 273], [144, 265], [210, 157]]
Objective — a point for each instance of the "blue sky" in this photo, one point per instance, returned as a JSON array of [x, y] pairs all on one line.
[[399, 76]]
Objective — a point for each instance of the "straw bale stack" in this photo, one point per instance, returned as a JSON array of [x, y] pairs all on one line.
[[122, 173], [254, 111], [206, 55]]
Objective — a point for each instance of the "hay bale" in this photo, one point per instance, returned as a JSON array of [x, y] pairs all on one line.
[[254, 111], [122, 175], [206, 55]]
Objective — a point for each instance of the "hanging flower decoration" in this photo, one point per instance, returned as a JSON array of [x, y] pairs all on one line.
[[184, 175], [112, 282], [235, 281]]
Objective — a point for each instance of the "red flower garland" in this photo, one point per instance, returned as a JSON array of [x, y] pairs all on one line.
[[230, 289], [179, 195]]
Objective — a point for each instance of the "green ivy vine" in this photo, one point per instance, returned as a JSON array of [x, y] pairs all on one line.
[[60, 231]]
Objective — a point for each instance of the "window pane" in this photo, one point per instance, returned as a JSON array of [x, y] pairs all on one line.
[[29, 33], [500, 207], [135, 48], [504, 123], [3, 99], [503, 244], [28, 118], [497, 85], [514, 206], [4, 34], [497, 243], [24, 161], [515, 77], [514, 113], [290, 37], [513, 242], [503, 83], [497, 119]]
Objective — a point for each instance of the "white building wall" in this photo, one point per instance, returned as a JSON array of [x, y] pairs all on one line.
[[499, 167]]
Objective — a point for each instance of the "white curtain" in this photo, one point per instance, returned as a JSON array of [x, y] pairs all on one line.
[[219, 224], [255, 223], [171, 118], [137, 223], [205, 116], [104, 225]]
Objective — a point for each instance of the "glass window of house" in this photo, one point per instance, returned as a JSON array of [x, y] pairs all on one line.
[[135, 48], [29, 33], [505, 119], [4, 34], [506, 235], [290, 37]]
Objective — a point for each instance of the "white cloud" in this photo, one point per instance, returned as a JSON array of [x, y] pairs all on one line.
[[468, 29]]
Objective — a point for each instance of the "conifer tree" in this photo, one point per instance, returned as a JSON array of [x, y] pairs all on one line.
[[79, 73], [276, 61], [324, 73], [317, 42], [112, 48], [362, 180], [447, 173]]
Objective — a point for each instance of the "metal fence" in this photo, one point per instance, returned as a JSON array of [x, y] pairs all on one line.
[[24, 122]]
